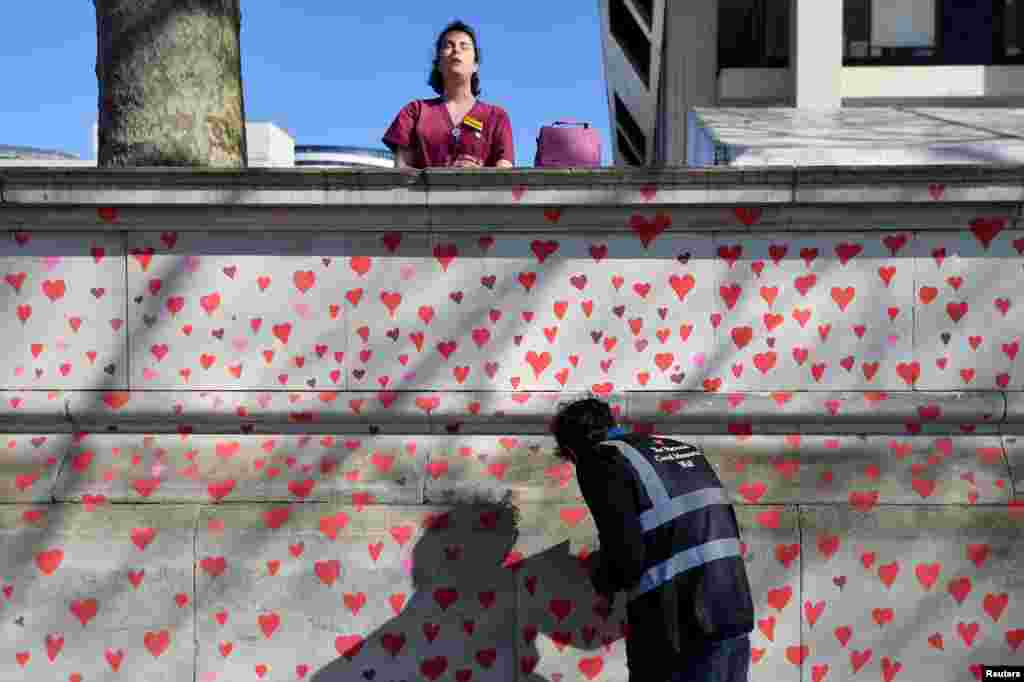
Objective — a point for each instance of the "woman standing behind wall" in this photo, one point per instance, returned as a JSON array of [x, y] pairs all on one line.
[[455, 129]]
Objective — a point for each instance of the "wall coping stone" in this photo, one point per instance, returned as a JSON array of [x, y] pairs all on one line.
[[582, 200], [53, 186]]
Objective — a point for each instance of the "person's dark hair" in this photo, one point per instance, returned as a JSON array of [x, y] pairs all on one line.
[[580, 425], [436, 80]]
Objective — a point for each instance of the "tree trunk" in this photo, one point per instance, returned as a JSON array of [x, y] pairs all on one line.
[[170, 83]]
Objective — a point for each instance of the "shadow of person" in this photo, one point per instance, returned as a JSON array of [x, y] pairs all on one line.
[[479, 606]]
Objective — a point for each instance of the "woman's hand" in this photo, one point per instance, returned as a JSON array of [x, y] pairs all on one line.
[[467, 161]]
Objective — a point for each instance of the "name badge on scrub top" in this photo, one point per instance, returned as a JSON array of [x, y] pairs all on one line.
[[469, 142], [471, 122], [475, 124]]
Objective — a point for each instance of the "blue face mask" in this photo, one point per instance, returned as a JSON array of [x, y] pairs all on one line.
[[616, 432]]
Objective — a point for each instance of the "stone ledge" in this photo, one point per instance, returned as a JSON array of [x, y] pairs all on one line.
[[34, 412], [1014, 407], [646, 187], [187, 218], [606, 216], [793, 468], [840, 407], [485, 411]]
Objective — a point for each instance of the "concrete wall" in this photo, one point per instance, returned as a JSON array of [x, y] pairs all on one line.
[[238, 406]]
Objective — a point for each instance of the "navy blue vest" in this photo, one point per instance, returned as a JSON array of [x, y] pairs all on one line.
[[694, 588]]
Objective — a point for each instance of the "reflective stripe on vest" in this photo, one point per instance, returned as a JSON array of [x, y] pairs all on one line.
[[666, 510]]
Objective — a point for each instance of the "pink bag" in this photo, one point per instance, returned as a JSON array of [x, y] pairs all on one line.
[[568, 147]]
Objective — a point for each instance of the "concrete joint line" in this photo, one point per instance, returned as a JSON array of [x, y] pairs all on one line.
[[123, 235], [195, 590], [423, 179], [803, 564], [63, 460]]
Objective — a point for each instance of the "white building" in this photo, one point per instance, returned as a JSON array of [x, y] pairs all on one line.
[[24, 156], [267, 146], [665, 58], [334, 156]]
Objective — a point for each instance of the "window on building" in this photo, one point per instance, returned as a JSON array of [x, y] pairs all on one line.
[[630, 137], [753, 33], [645, 8], [891, 31], [1009, 29], [631, 38]]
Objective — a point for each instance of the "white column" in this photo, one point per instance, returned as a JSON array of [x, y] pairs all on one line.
[[817, 53], [689, 73]]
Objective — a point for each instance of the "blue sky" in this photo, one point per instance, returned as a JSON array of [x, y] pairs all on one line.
[[326, 71]]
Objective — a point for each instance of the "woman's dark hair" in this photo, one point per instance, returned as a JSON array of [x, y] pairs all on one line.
[[436, 80], [581, 424]]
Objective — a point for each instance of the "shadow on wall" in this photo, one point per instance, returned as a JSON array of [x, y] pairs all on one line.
[[477, 610]]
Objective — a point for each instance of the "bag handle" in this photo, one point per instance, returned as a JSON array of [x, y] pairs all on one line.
[[572, 122]]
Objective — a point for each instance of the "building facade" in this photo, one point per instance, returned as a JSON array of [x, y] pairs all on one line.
[[337, 156], [664, 59], [268, 146], [25, 156]]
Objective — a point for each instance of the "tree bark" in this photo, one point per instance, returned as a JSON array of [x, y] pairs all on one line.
[[170, 83]]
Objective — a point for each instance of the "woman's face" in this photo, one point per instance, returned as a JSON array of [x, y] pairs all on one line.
[[458, 55]]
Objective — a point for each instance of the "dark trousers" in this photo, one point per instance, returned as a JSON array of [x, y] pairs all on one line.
[[725, 661]]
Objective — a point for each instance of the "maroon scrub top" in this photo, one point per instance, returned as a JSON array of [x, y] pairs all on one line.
[[425, 127]]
